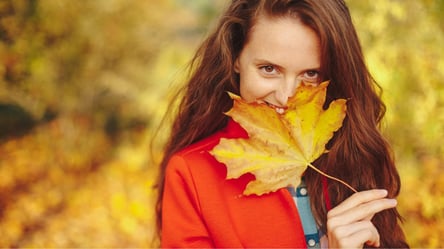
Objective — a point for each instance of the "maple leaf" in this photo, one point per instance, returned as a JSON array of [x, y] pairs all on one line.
[[280, 147]]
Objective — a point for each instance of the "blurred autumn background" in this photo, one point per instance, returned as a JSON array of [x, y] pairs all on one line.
[[84, 84]]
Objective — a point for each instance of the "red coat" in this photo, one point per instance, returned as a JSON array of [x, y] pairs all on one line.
[[202, 209]]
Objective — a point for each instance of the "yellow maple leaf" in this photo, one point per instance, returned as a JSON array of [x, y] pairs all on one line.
[[280, 146]]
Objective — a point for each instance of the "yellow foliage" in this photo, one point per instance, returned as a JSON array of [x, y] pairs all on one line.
[[63, 188]]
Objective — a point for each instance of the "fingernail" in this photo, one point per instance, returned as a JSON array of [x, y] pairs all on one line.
[[393, 202], [383, 192]]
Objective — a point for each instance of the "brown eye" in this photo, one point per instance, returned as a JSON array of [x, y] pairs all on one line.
[[312, 76], [268, 69]]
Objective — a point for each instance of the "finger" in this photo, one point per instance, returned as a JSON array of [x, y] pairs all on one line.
[[362, 212], [368, 210], [358, 239], [349, 229], [367, 235], [357, 199]]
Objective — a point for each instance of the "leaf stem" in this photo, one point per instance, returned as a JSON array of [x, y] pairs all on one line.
[[331, 177]]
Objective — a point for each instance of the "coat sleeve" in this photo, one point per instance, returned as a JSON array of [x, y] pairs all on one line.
[[182, 223]]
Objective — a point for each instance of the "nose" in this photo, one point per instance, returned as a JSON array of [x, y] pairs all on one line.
[[286, 90]]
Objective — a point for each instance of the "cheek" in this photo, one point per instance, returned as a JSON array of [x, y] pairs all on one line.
[[248, 90], [245, 90], [254, 89], [245, 86], [252, 86]]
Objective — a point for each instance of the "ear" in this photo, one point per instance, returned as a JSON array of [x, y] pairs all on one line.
[[236, 65]]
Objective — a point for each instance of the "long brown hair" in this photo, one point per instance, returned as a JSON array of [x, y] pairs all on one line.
[[357, 154]]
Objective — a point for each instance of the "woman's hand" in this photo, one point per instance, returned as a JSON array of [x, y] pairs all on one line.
[[349, 224]]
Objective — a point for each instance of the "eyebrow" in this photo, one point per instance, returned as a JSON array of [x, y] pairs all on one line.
[[258, 60], [267, 62]]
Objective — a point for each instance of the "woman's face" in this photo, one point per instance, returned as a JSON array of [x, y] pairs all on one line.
[[279, 54]]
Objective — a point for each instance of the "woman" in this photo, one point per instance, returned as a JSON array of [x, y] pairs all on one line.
[[262, 50]]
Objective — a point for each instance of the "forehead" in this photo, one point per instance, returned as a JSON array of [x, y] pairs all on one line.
[[283, 40]]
